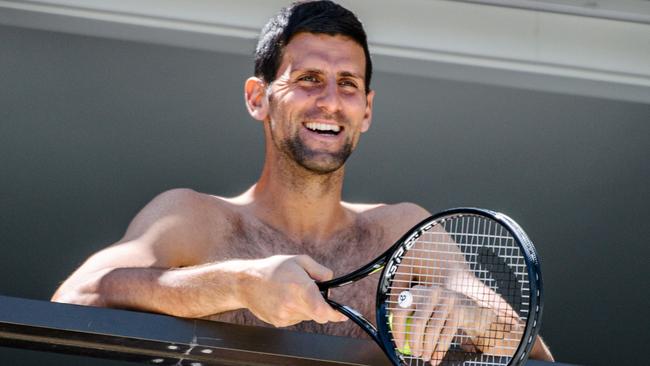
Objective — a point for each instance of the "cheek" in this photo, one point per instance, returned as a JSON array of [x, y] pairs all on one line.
[[291, 101], [356, 108], [285, 115]]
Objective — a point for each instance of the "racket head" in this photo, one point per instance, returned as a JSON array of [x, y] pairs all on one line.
[[497, 252]]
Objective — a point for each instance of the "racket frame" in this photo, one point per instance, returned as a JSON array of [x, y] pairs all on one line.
[[388, 262]]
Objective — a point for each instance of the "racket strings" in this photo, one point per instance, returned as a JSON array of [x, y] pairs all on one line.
[[468, 290]]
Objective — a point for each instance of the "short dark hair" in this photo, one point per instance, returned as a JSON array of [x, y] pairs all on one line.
[[319, 17]]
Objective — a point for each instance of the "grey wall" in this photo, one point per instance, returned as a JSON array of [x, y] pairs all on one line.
[[91, 129]]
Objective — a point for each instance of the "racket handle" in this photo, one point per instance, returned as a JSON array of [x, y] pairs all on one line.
[[324, 287], [356, 317], [361, 321]]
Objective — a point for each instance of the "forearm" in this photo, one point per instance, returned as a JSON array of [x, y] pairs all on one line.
[[187, 292], [541, 351]]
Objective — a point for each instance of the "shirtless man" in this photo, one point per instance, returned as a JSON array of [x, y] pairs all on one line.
[[254, 259]]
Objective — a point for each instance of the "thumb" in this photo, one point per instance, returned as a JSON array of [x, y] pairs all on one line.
[[314, 269]]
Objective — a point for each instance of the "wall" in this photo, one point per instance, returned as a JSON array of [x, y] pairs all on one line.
[[91, 129]]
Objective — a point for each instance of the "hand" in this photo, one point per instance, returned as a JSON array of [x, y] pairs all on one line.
[[438, 315], [281, 290]]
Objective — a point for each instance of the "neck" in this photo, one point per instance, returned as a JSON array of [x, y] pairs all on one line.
[[303, 205]]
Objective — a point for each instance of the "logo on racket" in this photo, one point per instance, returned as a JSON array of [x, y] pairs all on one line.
[[405, 299], [396, 258]]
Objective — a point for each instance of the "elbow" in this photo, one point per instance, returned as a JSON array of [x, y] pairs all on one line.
[[84, 292], [78, 298], [58, 296]]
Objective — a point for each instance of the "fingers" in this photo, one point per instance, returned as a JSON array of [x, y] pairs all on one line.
[[304, 303], [444, 341], [290, 294], [438, 316], [317, 309], [480, 324], [418, 325], [434, 330], [437, 324], [488, 332], [314, 269], [500, 337], [426, 304]]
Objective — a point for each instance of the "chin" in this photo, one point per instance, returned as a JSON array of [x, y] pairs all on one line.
[[321, 167], [317, 161]]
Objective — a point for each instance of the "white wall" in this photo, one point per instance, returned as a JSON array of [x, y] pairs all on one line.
[[497, 45]]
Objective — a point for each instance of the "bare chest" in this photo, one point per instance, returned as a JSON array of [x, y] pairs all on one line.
[[346, 251]]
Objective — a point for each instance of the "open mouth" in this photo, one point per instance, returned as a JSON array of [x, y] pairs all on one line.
[[324, 128]]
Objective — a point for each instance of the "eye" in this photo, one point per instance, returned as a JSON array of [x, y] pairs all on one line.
[[310, 78], [348, 84]]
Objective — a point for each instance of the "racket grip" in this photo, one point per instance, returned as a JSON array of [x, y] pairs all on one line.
[[356, 317], [324, 287]]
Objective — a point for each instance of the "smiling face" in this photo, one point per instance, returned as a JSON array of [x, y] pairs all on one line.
[[318, 105]]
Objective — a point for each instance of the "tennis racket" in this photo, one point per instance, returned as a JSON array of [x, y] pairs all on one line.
[[462, 287]]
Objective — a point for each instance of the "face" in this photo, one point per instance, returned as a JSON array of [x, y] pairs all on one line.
[[318, 106]]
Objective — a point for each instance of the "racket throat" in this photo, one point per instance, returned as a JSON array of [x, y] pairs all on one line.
[[356, 317]]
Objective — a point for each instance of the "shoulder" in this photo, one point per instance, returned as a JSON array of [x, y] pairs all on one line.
[[395, 219], [179, 224], [406, 211], [179, 205]]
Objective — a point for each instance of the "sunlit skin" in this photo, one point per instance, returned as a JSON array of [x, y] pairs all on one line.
[[320, 79]]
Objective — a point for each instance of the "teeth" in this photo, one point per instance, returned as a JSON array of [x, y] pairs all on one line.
[[322, 127]]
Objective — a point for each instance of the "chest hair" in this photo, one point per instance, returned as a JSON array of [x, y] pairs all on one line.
[[348, 250]]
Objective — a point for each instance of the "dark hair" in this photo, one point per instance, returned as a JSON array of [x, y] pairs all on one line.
[[324, 17]]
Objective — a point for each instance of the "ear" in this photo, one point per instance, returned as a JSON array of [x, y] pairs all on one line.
[[367, 118], [256, 100]]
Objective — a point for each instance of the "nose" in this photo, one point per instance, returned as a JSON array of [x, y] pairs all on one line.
[[329, 99]]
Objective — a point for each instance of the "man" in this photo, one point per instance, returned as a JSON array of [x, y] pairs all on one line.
[[254, 259]]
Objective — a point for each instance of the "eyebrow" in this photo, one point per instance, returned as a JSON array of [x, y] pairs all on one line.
[[319, 71], [350, 74]]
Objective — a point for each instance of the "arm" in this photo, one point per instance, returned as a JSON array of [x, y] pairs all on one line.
[[287, 282], [174, 291], [149, 268], [541, 351], [160, 266]]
